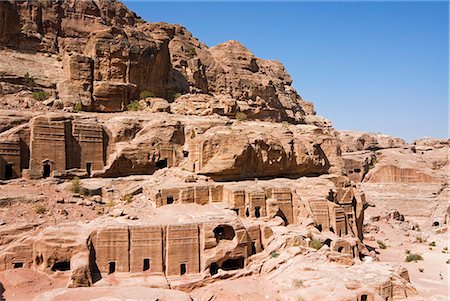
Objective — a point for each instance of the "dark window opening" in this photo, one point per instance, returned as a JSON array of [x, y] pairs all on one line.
[[436, 224], [319, 227], [213, 268], [332, 229], [340, 249], [8, 171], [61, 266], [233, 264], [357, 170], [283, 217], [146, 264], [340, 233], [185, 153], [47, 170], [224, 232], [253, 248], [236, 210], [182, 269], [169, 200], [327, 242], [247, 213], [257, 212], [363, 297], [18, 265], [88, 169], [161, 163], [111, 267]]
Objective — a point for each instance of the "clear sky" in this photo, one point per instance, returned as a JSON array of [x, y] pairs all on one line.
[[369, 66]]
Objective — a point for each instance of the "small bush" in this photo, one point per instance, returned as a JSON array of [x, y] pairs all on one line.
[[241, 116], [76, 185], [134, 106], [413, 257], [110, 203], [372, 164], [297, 283], [448, 261], [40, 95], [432, 244], [421, 270], [381, 244], [193, 134], [28, 80], [316, 244], [40, 209], [445, 250], [77, 107], [128, 198], [274, 254], [407, 251], [146, 94], [190, 50], [420, 239], [58, 58]]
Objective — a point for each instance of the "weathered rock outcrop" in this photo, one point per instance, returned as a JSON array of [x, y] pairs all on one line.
[[109, 56]]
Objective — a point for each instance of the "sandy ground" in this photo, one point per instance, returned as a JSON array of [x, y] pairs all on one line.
[[430, 276]]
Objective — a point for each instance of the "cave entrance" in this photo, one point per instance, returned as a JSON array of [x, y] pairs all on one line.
[[213, 268], [8, 171], [224, 232], [146, 266], [183, 268], [88, 168], [61, 266], [257, 212], [436, 224], [47, 170], [363, 297], [111, 267], [18, 265], [233, 264], [283, 217], [161, 163], [169, 200]]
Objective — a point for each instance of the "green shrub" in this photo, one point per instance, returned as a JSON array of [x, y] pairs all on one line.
[[146, 94], [241, 116], [432, 244], [190, 50], [413, 257], [28, 80], [420, 239], [316, 244], [77, 107], [421, 270], [274, 254], [381, 244], [134, 106], [127, 198], [445, 250], [40, 209], [76, 185], [40, 95]]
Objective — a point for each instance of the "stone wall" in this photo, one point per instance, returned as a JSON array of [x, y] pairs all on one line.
[[10, 159]]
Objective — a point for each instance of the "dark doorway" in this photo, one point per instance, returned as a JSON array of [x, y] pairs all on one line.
[[340, 249], [18, 265], [319, 227], [283, 217], [146, 264], [169, 200], [257, 212], [213, 268], [436, 224], [185, 153], [112, 267], [253, 248], [182, 268], [61, 266], [161, 163], [88, 168], [8, 171], [224, 232], [247, 213], [363, 297], [47, 170], [236, 210], [233, 264]]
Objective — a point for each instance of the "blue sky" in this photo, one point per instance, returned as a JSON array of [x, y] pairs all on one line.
[[368, 66]]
